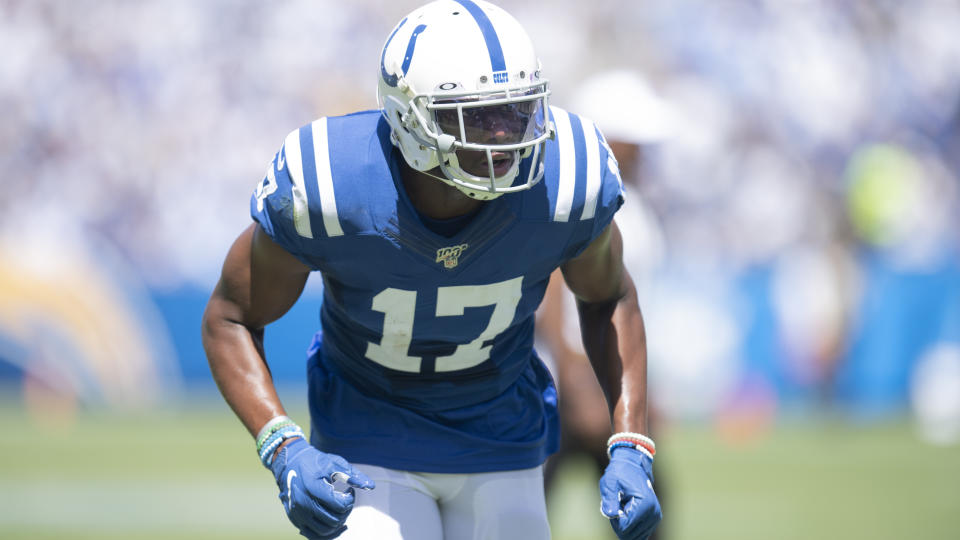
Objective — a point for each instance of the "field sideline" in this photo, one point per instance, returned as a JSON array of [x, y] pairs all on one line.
[[194, 474]]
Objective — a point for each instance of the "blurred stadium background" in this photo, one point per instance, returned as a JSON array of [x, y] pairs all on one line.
[[800, 253]]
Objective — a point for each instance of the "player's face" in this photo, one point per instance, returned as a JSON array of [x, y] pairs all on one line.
[[506, 123]]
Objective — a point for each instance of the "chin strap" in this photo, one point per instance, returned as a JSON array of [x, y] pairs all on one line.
[[472, 193]]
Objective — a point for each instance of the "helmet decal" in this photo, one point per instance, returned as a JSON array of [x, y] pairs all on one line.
[[407, 57], [410, 46], [497, 63], [389, 78]]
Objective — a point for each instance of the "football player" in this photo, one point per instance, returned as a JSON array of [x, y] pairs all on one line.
[[435, 223]]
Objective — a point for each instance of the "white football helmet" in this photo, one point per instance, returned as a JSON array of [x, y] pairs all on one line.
[[460, 86]]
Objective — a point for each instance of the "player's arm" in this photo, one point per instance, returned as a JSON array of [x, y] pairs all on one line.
[[259, 282], [614, 339], [612, 327]]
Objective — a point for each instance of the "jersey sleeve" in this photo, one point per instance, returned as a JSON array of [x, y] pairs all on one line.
[[612, 194], [280, 206], [598, 212]]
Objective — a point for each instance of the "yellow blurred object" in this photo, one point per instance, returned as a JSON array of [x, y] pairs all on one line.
[[82, 333], [883, 182]]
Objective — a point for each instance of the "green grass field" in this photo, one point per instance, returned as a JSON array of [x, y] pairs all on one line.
[[192, 473]]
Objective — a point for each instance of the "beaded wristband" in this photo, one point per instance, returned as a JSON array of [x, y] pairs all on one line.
[[637, 437], [634, 440], [275, 440], [272, 435], [643, 444], [271, 426]]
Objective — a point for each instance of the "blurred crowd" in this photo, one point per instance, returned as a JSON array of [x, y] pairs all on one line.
[[795, 226]]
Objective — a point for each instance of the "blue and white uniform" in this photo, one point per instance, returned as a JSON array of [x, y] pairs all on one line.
[[425, 360]]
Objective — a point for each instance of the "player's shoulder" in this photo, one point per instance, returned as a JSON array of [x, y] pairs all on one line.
[[581, 177], [338, 141], [335, 168]]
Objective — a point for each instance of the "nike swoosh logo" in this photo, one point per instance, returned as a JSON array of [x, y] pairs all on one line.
[[290, 476], [280, 162]]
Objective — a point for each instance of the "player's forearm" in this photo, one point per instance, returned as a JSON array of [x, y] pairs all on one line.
[[615, 341], [630, 410], [235, 355]]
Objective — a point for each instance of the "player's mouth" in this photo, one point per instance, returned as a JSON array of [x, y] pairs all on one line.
[[475, 162], [502, 161]]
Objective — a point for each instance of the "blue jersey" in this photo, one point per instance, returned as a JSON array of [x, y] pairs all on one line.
[[425, 358]]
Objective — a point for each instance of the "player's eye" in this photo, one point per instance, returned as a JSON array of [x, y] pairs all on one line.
[[504, 123], [448, 121]]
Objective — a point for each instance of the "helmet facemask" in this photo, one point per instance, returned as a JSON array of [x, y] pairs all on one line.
[[481, 138]]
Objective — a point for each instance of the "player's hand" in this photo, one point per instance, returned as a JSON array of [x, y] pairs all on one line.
[[306, 478], [627, 496]]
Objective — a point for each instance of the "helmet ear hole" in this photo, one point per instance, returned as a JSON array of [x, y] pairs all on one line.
[[400, 121]]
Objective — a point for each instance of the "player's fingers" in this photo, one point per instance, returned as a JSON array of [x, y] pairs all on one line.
[[321, 500], [359, 480], [352, 478], [322, 491], [329, 517], [331, 510], [631, 514], [339, 501], [338, 465], [645, 532], [640, 517], [609, 507], [315, 524], [324, 530], [609, 496], [615, 525], [341, 471], [309, 533], [639, 511]]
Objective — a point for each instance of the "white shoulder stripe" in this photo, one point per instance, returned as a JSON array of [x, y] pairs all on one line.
[[301, 210], [568, 164], [328, 199], [593, 168]]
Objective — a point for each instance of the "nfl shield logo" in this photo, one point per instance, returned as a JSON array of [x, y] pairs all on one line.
[[450, 256]]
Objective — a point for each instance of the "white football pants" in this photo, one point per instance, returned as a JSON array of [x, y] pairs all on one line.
[[428, 506]]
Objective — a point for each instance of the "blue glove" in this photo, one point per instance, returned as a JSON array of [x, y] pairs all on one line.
[[627, 497], [305, 477]]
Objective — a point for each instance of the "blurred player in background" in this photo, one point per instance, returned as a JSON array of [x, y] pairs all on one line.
[[436, 223], [585, 423]]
